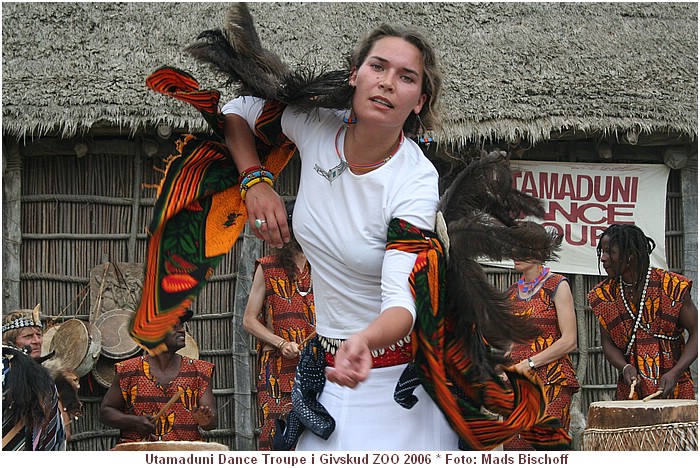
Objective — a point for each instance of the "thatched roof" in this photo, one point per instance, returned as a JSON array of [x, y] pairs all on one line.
[[511, 69]]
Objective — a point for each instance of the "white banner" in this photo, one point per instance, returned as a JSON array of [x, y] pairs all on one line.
[[582, 199]]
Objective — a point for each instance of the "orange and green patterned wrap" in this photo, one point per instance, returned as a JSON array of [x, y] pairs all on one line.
[[198, 214], [446, 370]]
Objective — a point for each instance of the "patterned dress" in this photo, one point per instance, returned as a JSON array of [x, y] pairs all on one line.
[[658, 341], [145, 396], [558, 377], [289, 312]]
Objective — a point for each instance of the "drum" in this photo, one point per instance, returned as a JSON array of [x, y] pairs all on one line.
[[181, 446], [116, 340], [93, 352], [48, 337], [631, 425], [191, 350], [104, 371], [77, 345]]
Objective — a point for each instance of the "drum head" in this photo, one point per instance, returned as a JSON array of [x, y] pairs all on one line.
[[116, 340], [104, 371], [71, 342], [48, 337], [191, 350], [177, 446], [629, 413]]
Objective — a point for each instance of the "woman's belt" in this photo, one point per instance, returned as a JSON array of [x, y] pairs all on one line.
[[399, 353]]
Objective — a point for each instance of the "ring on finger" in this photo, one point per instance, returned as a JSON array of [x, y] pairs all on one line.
[[259, 222]]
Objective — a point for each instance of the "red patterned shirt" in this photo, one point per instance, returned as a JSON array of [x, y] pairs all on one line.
[[658, 341], [145, 396], [289, 312]]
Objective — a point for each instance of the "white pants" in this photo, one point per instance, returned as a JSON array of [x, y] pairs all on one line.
[[368, 418]]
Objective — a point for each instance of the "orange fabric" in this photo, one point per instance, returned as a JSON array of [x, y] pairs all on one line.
[[198, 215], [445, 368]]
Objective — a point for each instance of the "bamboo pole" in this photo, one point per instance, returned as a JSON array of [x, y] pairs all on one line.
[[11, 227], [244, 403]]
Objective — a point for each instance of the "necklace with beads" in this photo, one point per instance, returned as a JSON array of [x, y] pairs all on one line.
[[640, 309], [301, 278], [334, 172], [526, 287], [367, 166]]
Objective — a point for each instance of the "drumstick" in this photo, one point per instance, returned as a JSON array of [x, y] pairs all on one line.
[[634, 382], [653, 395], [307, 339], [170, 403]]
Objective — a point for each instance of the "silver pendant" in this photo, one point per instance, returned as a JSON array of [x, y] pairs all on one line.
[[332, 173]]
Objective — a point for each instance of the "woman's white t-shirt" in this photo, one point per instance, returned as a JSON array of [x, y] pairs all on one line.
[[342, 224]]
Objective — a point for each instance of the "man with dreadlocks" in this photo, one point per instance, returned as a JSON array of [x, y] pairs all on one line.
[[643, 312]]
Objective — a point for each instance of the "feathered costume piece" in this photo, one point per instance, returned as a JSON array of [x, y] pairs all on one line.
[[463, 323], [236, 52], [481, 211]]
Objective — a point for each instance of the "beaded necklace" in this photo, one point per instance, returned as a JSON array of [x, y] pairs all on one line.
[[367, 166], [525, 287], [301, 278], [640, 309]]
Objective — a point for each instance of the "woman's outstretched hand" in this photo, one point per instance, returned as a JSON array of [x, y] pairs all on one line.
[[353, 361]]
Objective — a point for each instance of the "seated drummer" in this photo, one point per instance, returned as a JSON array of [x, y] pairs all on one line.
[[144, 385]]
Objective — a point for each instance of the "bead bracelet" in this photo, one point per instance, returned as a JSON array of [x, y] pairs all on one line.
[[248, 171], [262, 174], [247, 184]]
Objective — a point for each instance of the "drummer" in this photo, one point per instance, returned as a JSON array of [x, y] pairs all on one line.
[[144, 386], [643, 312], [23, 329]]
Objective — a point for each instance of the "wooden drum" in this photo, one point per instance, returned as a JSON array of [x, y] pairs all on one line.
[[116, 340], [104, 371], [48, 338], [77, 345], [179, 446], [654, 425]]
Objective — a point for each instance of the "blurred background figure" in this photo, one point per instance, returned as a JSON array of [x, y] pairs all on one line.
[[23, 329], [280, 315], [31, 419], [643, 312], [545, 299]]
